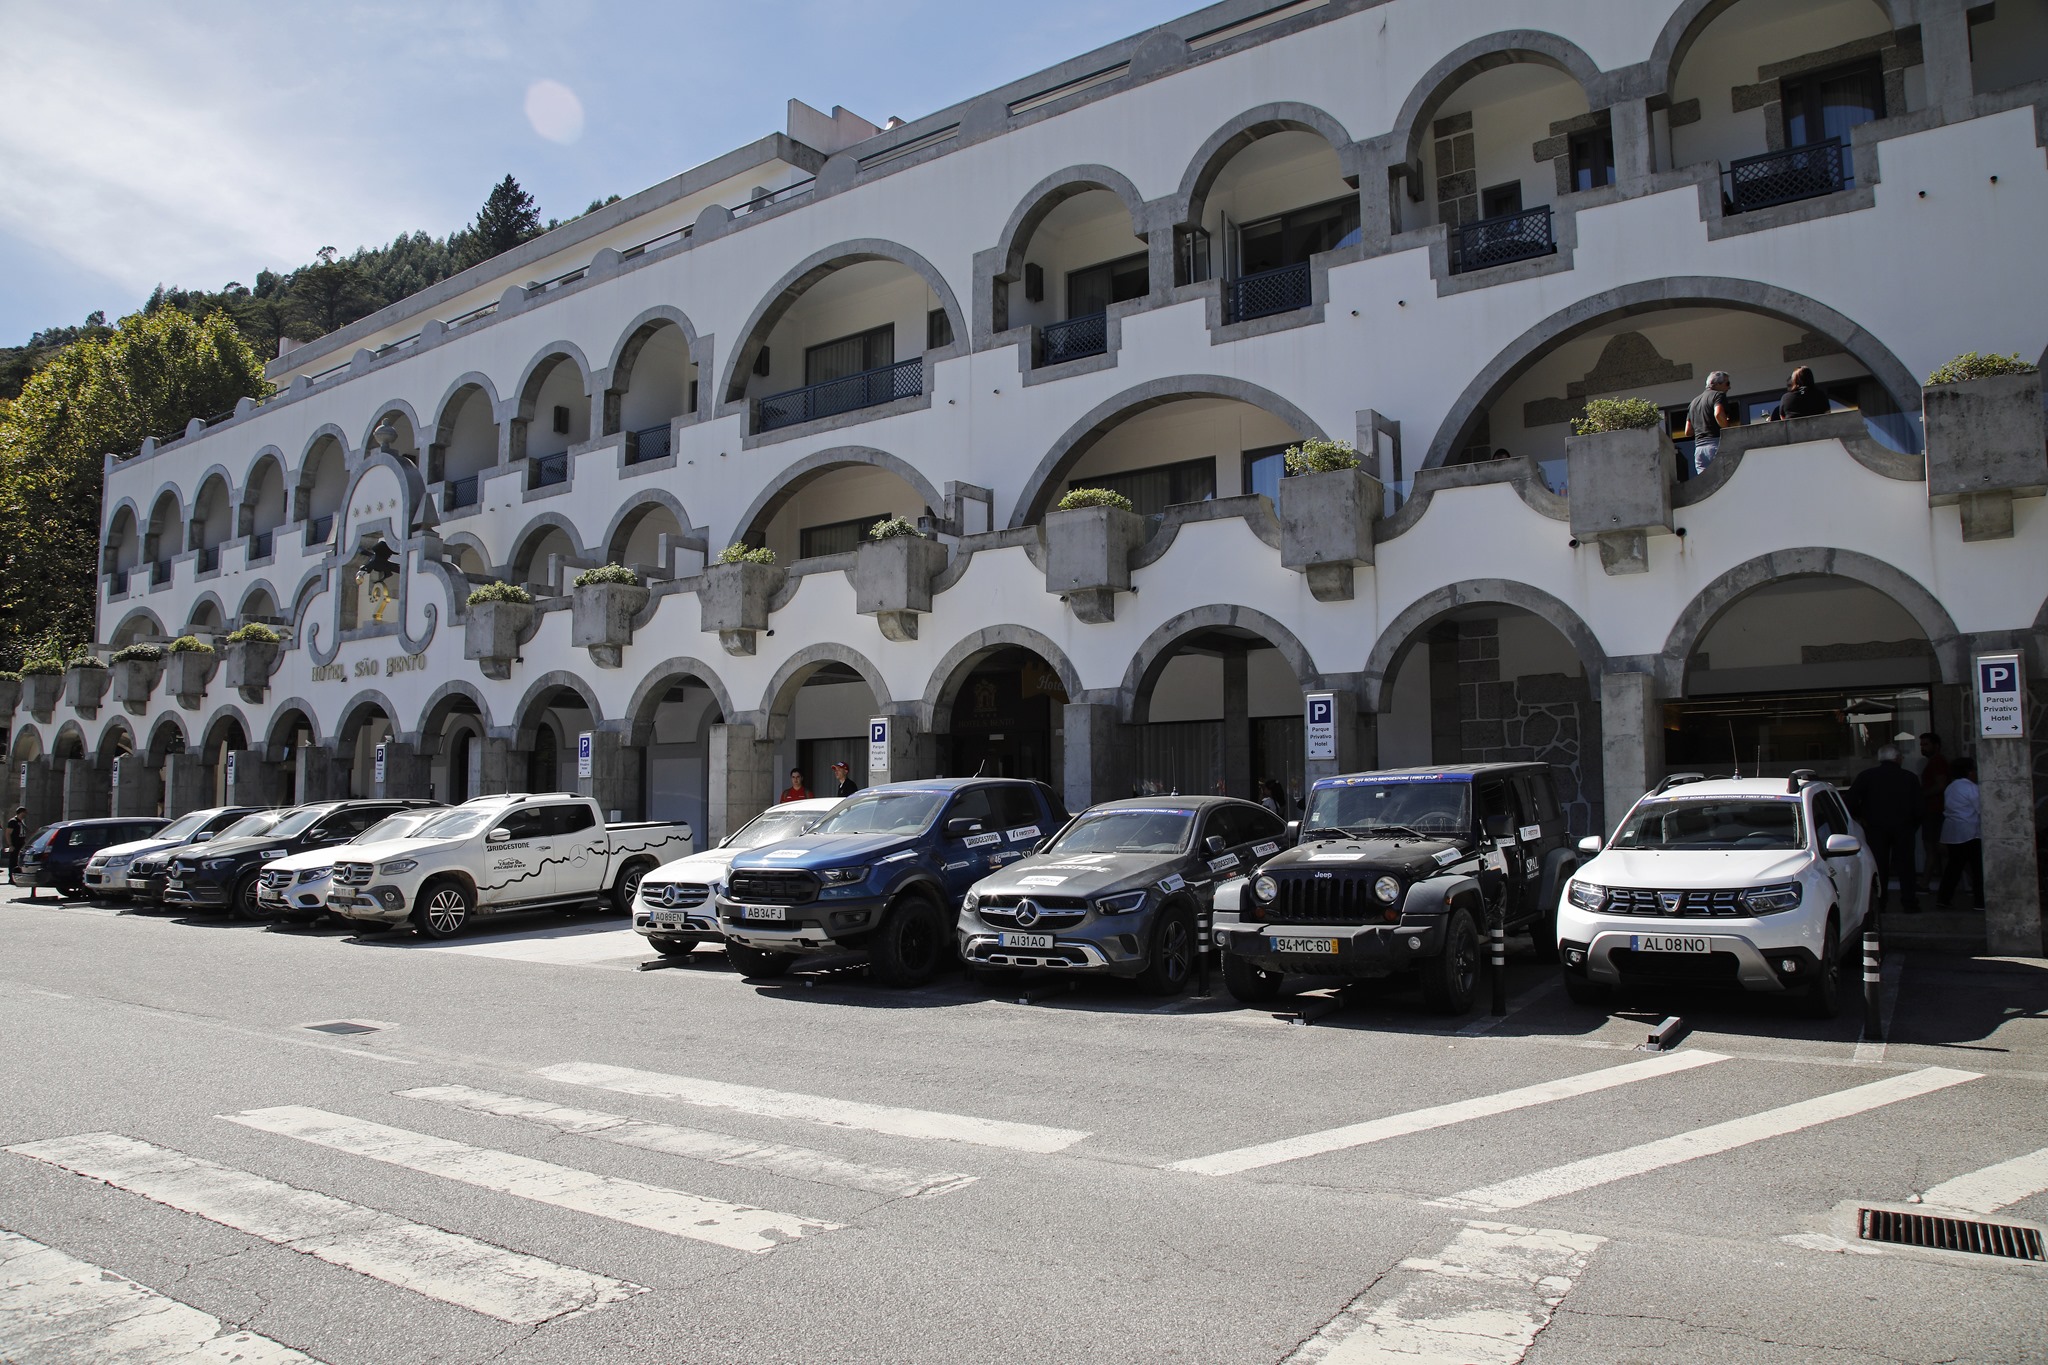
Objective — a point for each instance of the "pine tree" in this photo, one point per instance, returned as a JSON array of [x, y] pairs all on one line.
[[509, 216]]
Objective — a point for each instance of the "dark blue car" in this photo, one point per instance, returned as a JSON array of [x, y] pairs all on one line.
[[58, 854]]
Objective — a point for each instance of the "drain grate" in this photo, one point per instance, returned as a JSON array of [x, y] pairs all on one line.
[[2009, 1241], [343, 1026]]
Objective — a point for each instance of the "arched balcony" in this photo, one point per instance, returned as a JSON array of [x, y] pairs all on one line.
[[1274, 196], [654, 386], [323, 482], [465, 447], [212, 522], [263, 508]]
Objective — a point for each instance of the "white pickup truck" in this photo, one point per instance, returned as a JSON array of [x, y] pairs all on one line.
[[500, 854]]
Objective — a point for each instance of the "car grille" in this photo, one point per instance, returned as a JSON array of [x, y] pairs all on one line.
[[1053, 912], [278, 880], [1701, 904], [673, 895], [353, 874], [770, 887], [1322, 898]]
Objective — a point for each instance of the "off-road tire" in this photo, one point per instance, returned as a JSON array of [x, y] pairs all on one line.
[[911, 946], [1171, 957], [1450, 981], [243, 902], [443, 909], [758, 961], [1248, 984]]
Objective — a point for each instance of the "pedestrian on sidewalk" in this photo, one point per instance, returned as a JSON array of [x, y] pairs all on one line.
[[1962, 835], [847, 786], [796, 790], [1886, 801], [17, 838]]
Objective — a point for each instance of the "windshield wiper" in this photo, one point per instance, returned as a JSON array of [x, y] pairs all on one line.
[[1409, 830]]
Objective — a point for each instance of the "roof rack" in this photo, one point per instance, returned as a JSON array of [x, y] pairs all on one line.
[[1801, 777], [1677, 780]]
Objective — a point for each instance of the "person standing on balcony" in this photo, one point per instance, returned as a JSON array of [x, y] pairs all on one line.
[[1803, 398], [1886, 800], [1962, 836], [1705, 417]]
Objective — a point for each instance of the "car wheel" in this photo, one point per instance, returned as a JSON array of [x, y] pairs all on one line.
[[911, 944], [627, 886], [1172, 963], [1591, 994], [1824, 997], [443, 910], [245, 903], [1247, 984], [676, 947], [1450, 982], [758, 961]]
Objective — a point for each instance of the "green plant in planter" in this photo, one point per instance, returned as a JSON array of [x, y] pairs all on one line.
[[739, 552], [8, 675], [1078, 498], [608, 573], [190, 644], [499, 592], [1617, 414], [255, 633], [1971, 365], [892, 528], [88, 661], [1318, 456], [139, 654]]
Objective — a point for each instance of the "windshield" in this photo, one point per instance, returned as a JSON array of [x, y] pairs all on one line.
[[1440, 808], [772, 827], [883, 813], [1128, 831], [184, 825], [1713, 823], [296, 822], [249, 826], [456, 824], [394, 827]]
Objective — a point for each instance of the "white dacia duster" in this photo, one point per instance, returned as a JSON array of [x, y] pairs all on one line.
[[1753, 883]]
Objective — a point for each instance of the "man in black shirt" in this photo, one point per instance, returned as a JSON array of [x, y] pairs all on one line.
[[847, 786], [17, 837], [1887, 801]]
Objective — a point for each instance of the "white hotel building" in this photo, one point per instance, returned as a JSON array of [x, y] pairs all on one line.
[[1431, 230]]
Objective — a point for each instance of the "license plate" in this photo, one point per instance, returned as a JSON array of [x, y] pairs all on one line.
[[174, 884], [1303, 945], [1668, 943], [664, 924], [344, 900], [763, 912], [1027, 940]]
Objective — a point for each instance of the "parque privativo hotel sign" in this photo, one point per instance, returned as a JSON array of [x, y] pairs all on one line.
[[2001, 697]]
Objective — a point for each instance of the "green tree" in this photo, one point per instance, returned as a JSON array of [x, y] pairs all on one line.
[[327, 294], [151, 375], [508, 217]]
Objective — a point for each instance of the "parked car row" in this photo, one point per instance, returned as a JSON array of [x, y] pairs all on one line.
[[1758, 884]]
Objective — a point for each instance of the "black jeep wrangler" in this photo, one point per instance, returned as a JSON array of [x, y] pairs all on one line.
[[1405, 868]]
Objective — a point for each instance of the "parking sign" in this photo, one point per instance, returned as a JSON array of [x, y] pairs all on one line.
[[583, 754], [231, 768], [878, 749], [380, 766], [2001, 705], [1320, 725]]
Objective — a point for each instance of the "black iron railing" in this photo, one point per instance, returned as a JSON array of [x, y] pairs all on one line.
[[460, 493], [260, 543], [209, 558], [549, 470], [1073, 339], [654, 443], [1758, 182], [1497, 241], [319, 528], [905, 379], [1269, 292]]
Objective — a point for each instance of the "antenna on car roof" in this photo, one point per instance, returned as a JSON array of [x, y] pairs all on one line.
[[1734, 750]]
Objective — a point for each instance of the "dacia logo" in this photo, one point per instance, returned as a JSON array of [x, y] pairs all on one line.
[[1670, 900], [1027, 914]]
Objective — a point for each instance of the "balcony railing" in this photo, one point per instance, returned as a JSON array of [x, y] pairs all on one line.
[[654, 443], [459, 493], [209, 558], [1497, 241], [1269, 292], [905, 379], [159, 572], [548, 470], [1073, 339], [260, 544], [1758, 182], [117, 582], [319, 529]]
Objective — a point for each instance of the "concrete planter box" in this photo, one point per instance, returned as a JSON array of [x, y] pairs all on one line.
[[492, 633], [187, 673], [1326, 527], [135, 681], [601, 620], [10, 696], [84, 687], [1088, 557], [247, 667], [892, 581], [1987, 444], [1619, 487], [732, 599], [42, 691]]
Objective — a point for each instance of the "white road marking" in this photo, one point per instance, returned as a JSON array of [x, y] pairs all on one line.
[[1482, 1300], [799, 1163], [1871, 1050], [674, 1212], [783, 1104], [440, 1265], [1994, 1187], [1715, 1138], [1442, 1115], [55, 1307]]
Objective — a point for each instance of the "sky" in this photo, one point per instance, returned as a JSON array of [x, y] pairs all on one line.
[[199, 142]]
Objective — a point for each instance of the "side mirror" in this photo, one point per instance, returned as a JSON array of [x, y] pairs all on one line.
[[960, 827], [203, 836], [1293, 835], [1590, 844], [1215, 843], [498, 836], [1842, 846]]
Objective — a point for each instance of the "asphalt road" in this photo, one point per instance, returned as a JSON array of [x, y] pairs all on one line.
[[540, 1153]]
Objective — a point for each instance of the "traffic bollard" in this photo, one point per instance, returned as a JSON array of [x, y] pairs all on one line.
[[1873, 987], [1500, 969], [1205, 933]]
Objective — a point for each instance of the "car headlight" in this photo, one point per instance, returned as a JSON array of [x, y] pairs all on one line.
[[1587, 896], [219, 864], [1387, 890], [315, 874], [1121, 904], [1264, 888], [397, 866], [970, 902], [118, 864], [1772, 900], [843, 876]]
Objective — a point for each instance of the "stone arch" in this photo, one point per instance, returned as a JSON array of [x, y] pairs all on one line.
[[104, 753], [167, 735], [1707, 605], [1402, 633], [1134, 698], [269, 459], [638, 332], [1100, 420], [1048, 194], [1689, 19], [647, 696], [1676, 291], [218, 727], [791, 478], [1480, 55], [26, 743], [358, 713], [1248, 127], [262, 585], [143, 616], [453, 395], [540, 367], [217, 475], [319, 434], [68, 743], [116, 509], [276, 737], [526, 716], [445, 702], [383, 409], [785, 292], [935, 712], [165, 523], [780, 693], [630, 515], [531, 534]]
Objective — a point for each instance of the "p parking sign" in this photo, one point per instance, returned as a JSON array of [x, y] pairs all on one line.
[[2001, 697], [1319, 727], [583, 754], [878, 749]]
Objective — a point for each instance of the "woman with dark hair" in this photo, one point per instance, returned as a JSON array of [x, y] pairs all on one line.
[[1803, 397]]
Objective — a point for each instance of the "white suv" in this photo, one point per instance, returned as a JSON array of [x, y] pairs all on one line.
[[1755, 883]]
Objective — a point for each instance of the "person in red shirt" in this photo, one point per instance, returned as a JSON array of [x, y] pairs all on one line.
[[797, 790]]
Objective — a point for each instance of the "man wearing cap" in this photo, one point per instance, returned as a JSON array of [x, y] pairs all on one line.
[[847, 786]]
